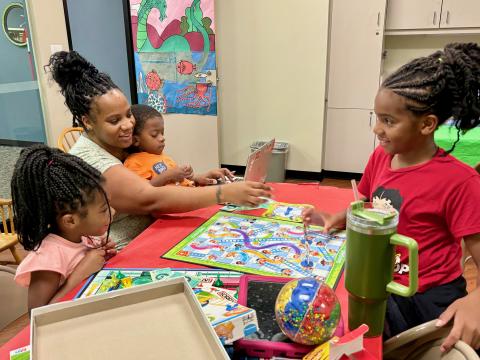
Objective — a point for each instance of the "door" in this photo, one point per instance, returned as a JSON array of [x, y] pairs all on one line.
[[350, 140], [460, 14], [413, 14], [356, 42], [21, 117]]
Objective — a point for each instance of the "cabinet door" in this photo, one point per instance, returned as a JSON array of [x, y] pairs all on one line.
[[349, 139], [460, 14], [413, 14], [356, 42]]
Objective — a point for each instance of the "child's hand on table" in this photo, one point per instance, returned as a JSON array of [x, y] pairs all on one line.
[[328, 221]]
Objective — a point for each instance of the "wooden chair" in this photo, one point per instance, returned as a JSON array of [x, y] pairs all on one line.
[[423, 343], [8, 236], [68, 138]]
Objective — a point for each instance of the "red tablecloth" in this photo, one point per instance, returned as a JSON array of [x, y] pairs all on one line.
[[145, 250]]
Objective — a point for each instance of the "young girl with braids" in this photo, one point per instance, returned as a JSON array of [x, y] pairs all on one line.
[[99, 106], [437, 196], [61, 214]]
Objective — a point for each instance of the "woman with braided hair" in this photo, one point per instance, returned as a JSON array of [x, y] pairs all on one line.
[[437, 196], [99, 106], [61, 216]]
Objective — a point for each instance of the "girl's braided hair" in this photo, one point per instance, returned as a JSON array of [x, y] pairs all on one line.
[[445, 84], [48, 183]]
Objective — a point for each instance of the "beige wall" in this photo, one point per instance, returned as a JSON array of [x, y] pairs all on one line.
[[47, 28], [192, 139], [271, 57]]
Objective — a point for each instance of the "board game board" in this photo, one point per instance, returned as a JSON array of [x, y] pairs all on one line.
[[107, 280], [285, 211], [263, 246]]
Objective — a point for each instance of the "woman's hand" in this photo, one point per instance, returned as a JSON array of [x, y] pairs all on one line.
[[247, 193], [465, 313], [328, 221]]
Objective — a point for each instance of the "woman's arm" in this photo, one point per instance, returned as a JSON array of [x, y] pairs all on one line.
[[132, 195]]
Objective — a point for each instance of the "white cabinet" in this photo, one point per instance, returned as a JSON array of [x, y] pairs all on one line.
[[460, 14], [350, 140], [432, 14], [356, 40], [355, 62], [413, 14]]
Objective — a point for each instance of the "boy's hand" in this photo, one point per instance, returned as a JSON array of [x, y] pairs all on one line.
[[188, 171], [213, 177], [175, 175], [221, 174]]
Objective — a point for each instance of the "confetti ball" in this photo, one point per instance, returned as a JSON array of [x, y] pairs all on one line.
[[307, 311]]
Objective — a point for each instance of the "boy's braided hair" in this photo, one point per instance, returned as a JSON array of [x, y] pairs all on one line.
[[445, 84], [48, 183], [79, 81]]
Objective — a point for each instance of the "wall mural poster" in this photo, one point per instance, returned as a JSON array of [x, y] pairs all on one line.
[[174, 44]]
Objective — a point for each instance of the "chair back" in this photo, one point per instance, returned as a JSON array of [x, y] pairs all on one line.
[[68, 138], [423, 343], [14, 297], [6, 213]]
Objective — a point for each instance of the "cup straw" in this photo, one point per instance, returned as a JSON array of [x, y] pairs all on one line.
[[355, 190]]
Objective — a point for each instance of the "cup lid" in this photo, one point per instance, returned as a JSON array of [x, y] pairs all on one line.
[[371, 214]]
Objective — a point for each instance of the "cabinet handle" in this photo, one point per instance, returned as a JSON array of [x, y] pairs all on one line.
[[434, 18], [378, 19], [448, 17], [370, 120]]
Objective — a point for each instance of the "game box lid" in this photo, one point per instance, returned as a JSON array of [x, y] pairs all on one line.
[[158, 320]]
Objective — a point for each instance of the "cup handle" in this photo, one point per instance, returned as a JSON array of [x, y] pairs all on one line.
[[412, 246]]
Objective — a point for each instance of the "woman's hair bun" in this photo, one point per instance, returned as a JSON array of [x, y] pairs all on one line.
[[67, 67]]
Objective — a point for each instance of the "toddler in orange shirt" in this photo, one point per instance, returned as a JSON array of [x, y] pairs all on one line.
[[150, 162]]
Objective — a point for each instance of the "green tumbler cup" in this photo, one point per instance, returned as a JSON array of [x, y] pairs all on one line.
[[369, 263]]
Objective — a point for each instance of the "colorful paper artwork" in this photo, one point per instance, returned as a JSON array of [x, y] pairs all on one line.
[[174, 45]]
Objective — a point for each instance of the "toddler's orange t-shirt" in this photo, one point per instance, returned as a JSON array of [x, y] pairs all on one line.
[[148, 165]]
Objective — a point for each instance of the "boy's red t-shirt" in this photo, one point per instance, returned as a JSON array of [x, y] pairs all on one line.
[[439, 204]]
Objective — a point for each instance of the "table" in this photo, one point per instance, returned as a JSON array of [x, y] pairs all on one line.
[[146, 249]]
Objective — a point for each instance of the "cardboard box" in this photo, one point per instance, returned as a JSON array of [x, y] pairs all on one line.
[[230, 320], [161, 320]]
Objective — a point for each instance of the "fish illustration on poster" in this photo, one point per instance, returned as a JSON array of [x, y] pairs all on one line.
[[175, 64]]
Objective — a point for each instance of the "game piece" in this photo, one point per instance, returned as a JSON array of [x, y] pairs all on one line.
[[218, 282]]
